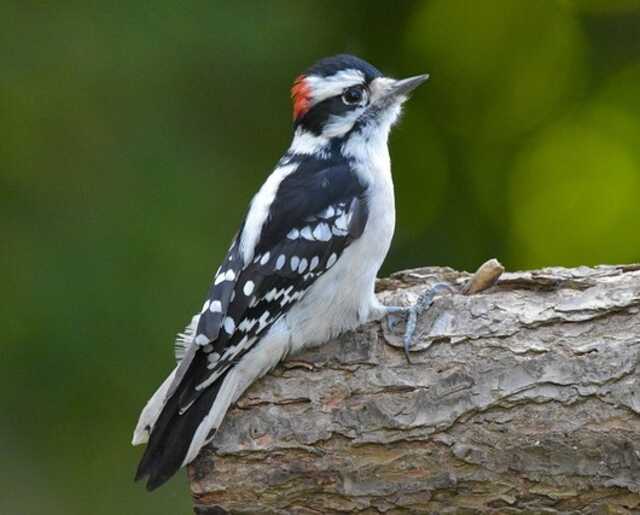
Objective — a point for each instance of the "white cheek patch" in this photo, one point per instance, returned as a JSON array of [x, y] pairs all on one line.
[[327, 87]]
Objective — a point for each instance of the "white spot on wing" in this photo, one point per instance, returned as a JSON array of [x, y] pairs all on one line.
[[314, 263], [229, 325], [293, 234], [263, 321], [303, 266], [295, 261], [215, 307], [230, 275], [341, 222], [332, 259], [322, 232], [338, 232], [265, 258], [245, 325], [213, 359], [205, 306], [202, 339], [271, 295], [306, 233], [248, 288], [280, 261]]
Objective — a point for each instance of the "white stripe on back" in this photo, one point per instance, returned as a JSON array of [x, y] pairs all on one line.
[[259, 211]]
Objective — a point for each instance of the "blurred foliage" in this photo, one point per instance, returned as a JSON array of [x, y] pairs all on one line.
[[134, 134]]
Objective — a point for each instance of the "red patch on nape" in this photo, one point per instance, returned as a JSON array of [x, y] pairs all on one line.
[[301, 95]]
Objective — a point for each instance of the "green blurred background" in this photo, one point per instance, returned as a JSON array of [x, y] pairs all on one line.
[[133, 135]]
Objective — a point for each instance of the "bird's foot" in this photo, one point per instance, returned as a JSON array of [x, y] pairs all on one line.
[[396, 314]]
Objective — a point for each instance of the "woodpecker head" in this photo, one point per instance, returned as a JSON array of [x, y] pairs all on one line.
[[343, 94]]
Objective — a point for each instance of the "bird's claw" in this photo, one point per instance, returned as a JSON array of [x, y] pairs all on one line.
[[395, 315], [411, 314], [393, 321]]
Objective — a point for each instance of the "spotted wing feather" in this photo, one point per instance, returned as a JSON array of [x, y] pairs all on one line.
[[269, 286], [318, 212], [219, 296]]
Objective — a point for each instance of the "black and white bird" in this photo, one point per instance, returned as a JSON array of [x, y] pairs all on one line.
[[301, 268]]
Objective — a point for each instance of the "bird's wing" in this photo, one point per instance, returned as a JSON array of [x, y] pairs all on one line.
[[205, 326], [316, 214]]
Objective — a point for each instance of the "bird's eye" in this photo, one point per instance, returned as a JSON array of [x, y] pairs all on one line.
[[354, 95]]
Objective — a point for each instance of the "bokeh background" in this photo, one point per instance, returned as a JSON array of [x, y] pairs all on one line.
[[133, 135]]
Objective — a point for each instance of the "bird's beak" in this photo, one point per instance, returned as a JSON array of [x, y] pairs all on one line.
[[388, 94], [402, 87]]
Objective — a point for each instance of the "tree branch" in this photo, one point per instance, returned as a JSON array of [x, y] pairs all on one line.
[[524, 398]]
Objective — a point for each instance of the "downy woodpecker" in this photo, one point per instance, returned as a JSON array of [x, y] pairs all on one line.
[[300, 270]]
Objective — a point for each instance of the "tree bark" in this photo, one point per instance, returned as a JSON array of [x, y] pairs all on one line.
[[523, 399]]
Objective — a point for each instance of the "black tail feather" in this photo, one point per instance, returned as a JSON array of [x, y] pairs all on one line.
[[172, 433]]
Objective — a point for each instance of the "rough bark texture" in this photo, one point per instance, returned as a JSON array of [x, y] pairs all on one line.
[[524, 398]]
